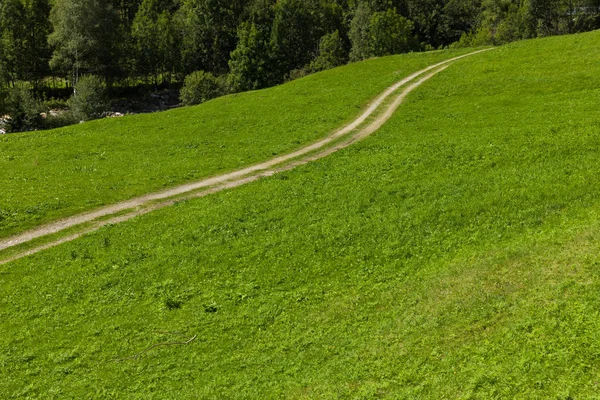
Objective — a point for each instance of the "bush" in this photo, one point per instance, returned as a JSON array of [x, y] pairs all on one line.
[[89, 100], [202, 86], [64, 118], [296, 74], [55, 104], [481, 37], [23, 110]]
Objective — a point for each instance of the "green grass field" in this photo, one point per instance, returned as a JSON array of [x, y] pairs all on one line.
[[454, 254], [48, 175]]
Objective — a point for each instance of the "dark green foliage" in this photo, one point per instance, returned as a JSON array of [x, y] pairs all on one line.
[[90, 99], [391, 33], [545, 16], [251, 59], [38, 52], [3, 93], [24, 50], [86, 38], [154, 37], [331, 53], [3, 101], [14, 39], [297, 29], [23, 109], [500, 22], [360, 33], [172, 304], [259, 43], [208, 33], [3, 65], [202, 86], [381, 33], [431, 22], [64, 118]]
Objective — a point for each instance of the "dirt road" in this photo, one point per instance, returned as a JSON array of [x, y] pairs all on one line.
[[129, 209]]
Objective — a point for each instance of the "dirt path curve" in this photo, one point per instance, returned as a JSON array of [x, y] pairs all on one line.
[[150, 202]]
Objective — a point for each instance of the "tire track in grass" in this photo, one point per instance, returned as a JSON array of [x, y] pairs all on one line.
[[154, 201]]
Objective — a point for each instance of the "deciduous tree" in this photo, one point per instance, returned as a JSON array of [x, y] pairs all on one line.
[[86, 38], [154, 39]]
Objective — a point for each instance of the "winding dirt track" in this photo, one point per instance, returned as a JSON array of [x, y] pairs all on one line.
[[151, 202]]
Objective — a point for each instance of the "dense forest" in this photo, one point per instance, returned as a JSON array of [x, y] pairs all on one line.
[[54, 48]]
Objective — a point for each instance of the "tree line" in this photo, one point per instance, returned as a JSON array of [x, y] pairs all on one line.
[[251, 44]]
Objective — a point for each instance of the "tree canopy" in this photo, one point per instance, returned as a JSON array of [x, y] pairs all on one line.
[[255, 43]]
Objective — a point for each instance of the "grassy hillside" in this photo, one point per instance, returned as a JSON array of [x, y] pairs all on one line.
[[46, 175], [454, 254]]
